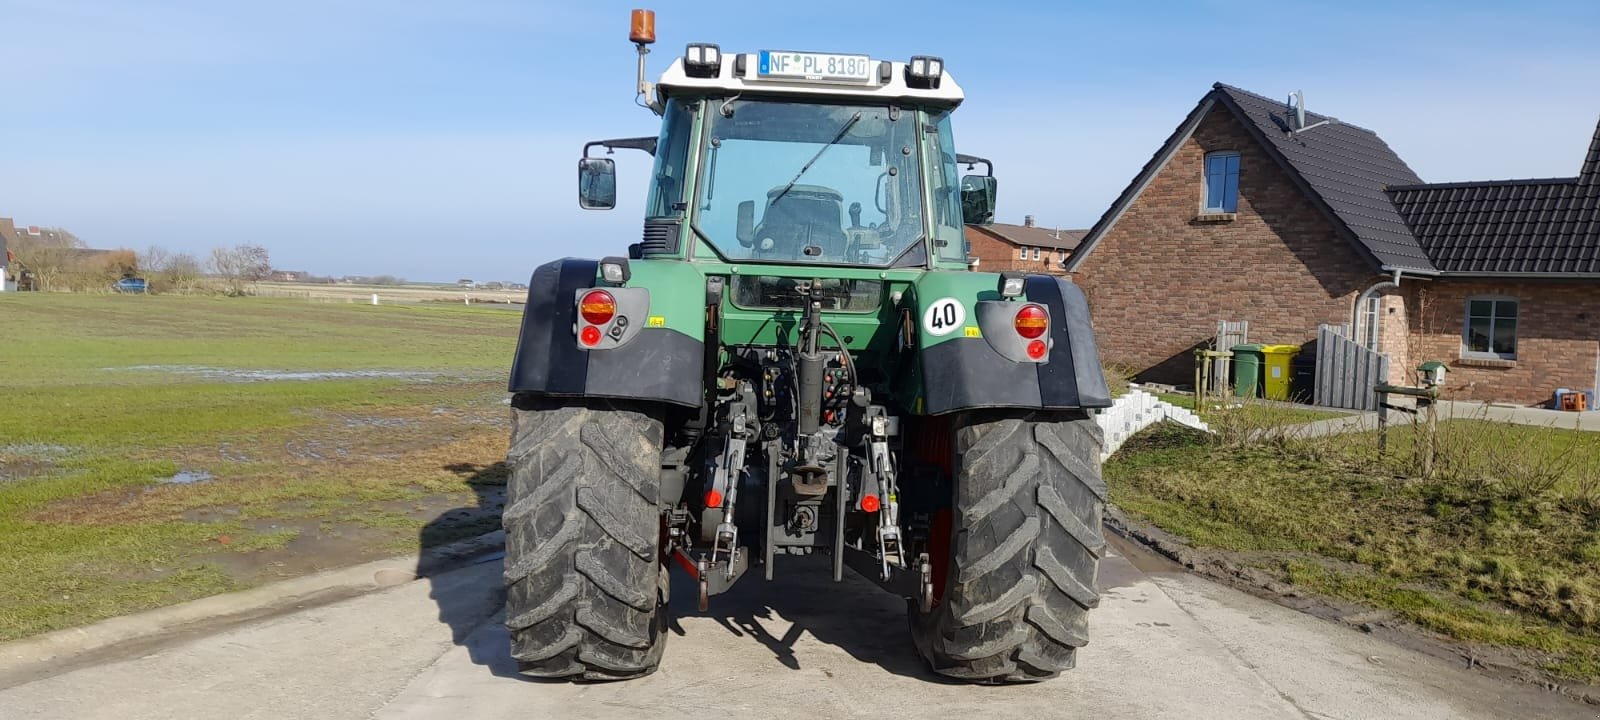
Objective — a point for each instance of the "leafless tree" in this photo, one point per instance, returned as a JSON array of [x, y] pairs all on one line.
[[239, 266], [48, 256]]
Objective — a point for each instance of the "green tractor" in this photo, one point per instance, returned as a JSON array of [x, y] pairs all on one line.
[[798, 357]]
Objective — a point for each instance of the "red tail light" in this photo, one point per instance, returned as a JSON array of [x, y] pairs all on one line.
[[871, 503], [1037, 349], [1031, 321], [597, 307], [589, 336], [713, 499]]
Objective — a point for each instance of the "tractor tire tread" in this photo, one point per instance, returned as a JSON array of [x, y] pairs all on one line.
[[1026, 548], [583, 594]]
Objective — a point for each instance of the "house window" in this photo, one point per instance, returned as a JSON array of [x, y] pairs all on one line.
[[1368, 334], [1491, 330], [1036, 253], [1222, 182], [1022, 253]]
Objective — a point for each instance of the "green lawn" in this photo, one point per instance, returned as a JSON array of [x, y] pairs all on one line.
[[1501, 545], [104, 397]]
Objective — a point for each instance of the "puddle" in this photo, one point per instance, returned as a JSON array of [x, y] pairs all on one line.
[[187, 477], [40, 451], [239, 375], [377, 422]]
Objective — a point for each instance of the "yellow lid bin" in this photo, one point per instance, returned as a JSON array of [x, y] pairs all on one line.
[[1277, 374]]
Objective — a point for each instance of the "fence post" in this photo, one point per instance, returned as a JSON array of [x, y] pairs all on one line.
[[1383, 422], [374, 298]]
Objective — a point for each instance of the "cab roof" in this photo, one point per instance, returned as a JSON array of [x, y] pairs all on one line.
[[737, 75]]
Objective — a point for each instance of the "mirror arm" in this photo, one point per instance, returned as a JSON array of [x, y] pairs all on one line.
[[647, 144], [973, 160]]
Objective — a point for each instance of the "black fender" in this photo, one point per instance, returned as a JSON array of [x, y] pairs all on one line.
[[658, 364], [967, 372]]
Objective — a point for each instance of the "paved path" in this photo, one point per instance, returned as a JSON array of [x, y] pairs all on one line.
[[1165, 645], [1457, 410]]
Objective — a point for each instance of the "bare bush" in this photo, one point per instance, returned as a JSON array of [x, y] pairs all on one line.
[[172, 272]]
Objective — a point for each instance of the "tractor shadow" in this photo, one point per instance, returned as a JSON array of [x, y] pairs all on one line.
[[853, 615], [468, 589]]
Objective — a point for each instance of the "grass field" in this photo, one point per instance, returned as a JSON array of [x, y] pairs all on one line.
[[311, 435], [1500, 546]]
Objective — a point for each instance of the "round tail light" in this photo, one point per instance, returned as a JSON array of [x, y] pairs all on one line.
[[1037, 350], [589, 336], [1031, 321], [597, 307], [871, 503]]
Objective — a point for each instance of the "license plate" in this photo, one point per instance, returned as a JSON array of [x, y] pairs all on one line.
[[825, 67]]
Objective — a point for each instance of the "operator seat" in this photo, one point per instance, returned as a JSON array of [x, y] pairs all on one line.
[[806, 215]]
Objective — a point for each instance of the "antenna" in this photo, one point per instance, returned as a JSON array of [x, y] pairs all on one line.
[[1297, 115]]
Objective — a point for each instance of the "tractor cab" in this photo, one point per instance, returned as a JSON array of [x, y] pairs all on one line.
[[802, 159]]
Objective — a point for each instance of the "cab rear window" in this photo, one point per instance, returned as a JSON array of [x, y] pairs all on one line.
[[782, 293]]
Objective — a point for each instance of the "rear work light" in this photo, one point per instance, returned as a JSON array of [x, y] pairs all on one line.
[[597, 307], [1031, 321]]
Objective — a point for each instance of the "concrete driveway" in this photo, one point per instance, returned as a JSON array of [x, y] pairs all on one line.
[[1164, 645]]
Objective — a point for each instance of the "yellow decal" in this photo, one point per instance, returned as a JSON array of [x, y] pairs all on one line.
[[973, 332], [656, 321]]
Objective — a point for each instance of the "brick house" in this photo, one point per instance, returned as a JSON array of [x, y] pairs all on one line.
[[1025, 247], [1254, 210]]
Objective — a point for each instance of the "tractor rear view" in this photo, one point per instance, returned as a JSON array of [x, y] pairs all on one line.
[[796, 358]]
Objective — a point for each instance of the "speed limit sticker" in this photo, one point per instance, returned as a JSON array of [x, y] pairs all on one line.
[[943, 316]]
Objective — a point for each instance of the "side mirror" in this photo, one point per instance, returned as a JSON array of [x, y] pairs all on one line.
[[746, 228], [597, 183], [977, 199]]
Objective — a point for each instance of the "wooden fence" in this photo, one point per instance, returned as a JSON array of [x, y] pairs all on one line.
[[1347, 372]]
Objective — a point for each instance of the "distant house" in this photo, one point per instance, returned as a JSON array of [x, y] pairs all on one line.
[[466, 283], [1024, 248], [1249, 212], [290, 275]]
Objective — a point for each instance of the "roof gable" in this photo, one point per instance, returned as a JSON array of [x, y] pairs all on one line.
[[1343, 169]]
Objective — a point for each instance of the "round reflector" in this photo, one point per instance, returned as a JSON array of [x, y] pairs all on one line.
[[589, 336], [871, 503], [713, 499], [1031, 321], [1036, 350], [597, 306]]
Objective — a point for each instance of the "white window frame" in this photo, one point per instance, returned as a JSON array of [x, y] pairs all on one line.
[[1370, 335], [1022, 253], [1494, 319], [1036, 253]]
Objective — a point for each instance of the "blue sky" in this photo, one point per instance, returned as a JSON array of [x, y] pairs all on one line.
[[436, 140]]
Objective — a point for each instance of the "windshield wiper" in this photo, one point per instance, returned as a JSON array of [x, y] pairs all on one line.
[[836, 138]]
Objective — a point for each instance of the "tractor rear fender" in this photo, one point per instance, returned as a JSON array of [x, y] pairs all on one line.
[[968, 367], [655, 362]]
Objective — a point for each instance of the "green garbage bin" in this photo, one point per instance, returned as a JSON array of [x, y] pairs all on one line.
[[1247, 360], [1277, 371]]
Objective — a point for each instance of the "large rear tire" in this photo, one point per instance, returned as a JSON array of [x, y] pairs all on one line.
[[584, 590], [1023, 552]]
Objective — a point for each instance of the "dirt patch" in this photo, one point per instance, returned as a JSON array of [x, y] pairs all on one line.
[[1252, 572]]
